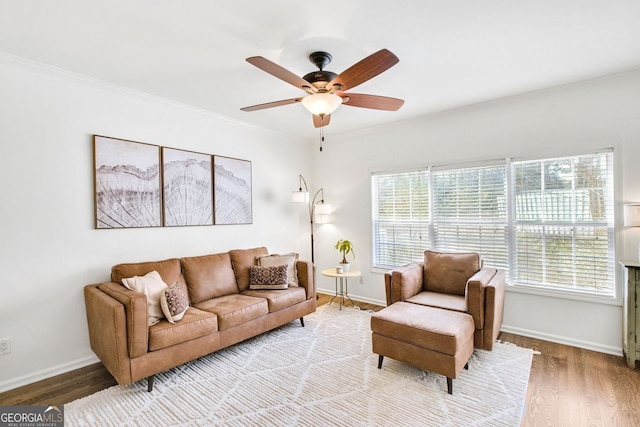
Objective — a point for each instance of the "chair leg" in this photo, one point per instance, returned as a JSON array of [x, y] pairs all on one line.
[[150, 384], [302, 321], [380, 357], [449, 385]]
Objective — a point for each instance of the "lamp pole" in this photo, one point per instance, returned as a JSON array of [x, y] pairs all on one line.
[[312, 208], [324, 209]]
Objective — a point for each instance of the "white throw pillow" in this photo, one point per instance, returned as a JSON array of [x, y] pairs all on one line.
[[286, 259], [152, 285]]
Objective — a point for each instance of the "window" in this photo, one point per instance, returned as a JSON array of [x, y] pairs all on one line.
[[469, 212], [563, 223], [548, 223], [401, 217]]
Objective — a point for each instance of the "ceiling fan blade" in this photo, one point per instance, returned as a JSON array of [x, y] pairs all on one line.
[[280, 72], [272, 104], [366, 69], [374, 102], [321, 121]]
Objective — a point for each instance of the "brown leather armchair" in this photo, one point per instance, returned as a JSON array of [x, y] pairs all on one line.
[[453, 281]]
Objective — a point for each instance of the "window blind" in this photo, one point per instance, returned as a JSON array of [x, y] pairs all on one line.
[[400, 217], [469, 212], [563, 223], [548, 223]]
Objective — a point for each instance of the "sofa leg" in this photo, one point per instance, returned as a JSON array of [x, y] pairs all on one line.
[[302, 321], [150, 384], [449, 385], [466, 366], [380, 357]]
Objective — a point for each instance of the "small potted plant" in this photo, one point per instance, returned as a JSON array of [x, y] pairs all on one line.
[[345, 247]]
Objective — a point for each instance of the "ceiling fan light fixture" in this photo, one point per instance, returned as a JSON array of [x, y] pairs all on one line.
[[321, 104]]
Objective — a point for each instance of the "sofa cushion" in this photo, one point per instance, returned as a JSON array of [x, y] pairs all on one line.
[[195, 324], [233, 310], [279, 299], [440, 300], [168, 269], [242, 259], [289, 260], [268, 277], [152, 286], [448, 272], [209, 276], [174, 302]]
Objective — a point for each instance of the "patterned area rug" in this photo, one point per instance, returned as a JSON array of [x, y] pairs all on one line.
[[322, 375]]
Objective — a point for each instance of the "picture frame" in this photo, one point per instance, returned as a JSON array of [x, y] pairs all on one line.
[[127, 187], [232, 191], [187, 188]]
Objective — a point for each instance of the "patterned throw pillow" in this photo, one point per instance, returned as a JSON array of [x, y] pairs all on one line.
[[268, 277], [174, 302], [285, 259]]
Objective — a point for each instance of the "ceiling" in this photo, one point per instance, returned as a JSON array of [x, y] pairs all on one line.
[[452, 53]]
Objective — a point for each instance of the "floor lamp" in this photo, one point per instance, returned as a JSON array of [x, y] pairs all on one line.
[[318, 209]]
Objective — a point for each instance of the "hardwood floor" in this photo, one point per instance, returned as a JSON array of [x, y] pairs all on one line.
[[568, 386]]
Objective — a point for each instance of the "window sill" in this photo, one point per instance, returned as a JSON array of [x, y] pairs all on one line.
[[556, 293]]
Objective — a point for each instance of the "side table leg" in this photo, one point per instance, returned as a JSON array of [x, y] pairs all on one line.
[[336, 294], [346, 293]]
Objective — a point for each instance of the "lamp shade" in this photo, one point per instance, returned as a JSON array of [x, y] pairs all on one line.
[[300, 196], [632, 215], [323, 219], [323, 208], [321, 103]]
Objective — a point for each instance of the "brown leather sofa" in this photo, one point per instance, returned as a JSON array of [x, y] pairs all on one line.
[[456, 282], [222, 311]]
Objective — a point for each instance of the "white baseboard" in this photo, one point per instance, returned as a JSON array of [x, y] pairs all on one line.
[[355, 297], [587, 345], [47, 373]]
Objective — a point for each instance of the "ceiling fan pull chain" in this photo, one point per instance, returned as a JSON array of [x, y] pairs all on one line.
[[321, 137]]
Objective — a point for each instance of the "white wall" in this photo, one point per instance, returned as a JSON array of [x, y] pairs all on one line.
[[49, 248], [560, 121]]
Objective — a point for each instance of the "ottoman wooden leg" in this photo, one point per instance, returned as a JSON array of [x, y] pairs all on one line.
[[449, 385], [380, 357]]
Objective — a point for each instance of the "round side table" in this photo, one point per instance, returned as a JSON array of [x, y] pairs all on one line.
[[344, 283]]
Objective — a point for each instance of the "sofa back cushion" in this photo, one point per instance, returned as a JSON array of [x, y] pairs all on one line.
[[169, 271], [209, 276], [242, 259], [448, 272]]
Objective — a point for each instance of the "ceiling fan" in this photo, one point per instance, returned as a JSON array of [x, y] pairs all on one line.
[[326, 90]]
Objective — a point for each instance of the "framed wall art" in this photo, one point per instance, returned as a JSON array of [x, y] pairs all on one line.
[[187, 188], [232, 191], [127, 183]]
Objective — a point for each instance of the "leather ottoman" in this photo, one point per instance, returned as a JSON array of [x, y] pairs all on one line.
[[428, 338]]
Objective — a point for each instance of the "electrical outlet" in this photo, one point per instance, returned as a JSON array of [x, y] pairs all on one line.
[[5, 345]]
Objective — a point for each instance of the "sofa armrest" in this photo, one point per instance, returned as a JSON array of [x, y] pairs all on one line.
[[135, 309], [306, 274], [485, 289], [494, 308], [107, 332], [404, 282]]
